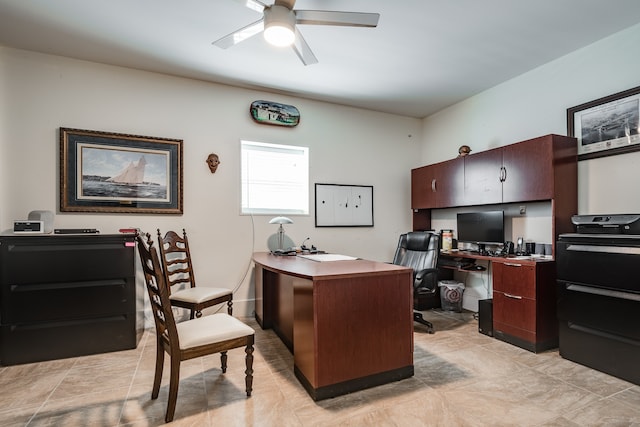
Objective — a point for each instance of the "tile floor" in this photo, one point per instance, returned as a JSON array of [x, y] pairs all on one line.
[[462, 378]]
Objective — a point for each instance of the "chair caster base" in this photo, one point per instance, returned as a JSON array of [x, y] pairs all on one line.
[[417, 317]]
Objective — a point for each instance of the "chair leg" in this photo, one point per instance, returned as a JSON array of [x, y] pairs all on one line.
[[230, 307], [249, 371], [157, 379], [417, 317], [174, 381], [223, 361]]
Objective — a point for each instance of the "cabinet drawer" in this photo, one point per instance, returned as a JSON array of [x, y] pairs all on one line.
[[513, 310], [70, 300], [54, 340], [516, 336], [26, 263], [515, 279]]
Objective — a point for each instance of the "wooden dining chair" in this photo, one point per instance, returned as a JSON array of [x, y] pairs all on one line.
[[178, 272], [193, 338]]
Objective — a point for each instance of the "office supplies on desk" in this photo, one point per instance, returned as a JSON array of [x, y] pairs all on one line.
[[76, 231], [285, 252]]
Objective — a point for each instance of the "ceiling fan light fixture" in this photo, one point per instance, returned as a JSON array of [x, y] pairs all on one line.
[[279, 26]]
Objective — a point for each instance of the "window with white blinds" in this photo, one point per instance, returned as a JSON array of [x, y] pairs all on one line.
[[274, 178]]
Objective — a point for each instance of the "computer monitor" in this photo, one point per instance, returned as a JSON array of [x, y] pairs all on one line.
[[481, 228]]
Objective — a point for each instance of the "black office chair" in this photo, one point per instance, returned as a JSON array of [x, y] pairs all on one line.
[[419, 250]]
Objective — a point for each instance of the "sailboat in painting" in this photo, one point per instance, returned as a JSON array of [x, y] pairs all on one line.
[[131, 174], [128, 184]]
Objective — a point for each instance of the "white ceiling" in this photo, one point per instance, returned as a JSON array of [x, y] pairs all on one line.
[[423, 56]]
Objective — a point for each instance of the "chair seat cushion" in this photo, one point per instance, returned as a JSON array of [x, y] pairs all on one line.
[[211, 329], [199, 294]]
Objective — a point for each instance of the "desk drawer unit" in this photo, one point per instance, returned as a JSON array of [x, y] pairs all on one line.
[[524, 304], [64, 296]]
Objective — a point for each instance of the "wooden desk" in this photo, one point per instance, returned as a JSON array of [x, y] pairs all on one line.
[[349, 324], [524, 299]]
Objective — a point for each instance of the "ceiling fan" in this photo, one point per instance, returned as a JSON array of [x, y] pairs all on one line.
[[279, 25]]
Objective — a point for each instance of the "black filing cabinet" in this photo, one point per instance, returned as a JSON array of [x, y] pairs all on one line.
[[66, 295]]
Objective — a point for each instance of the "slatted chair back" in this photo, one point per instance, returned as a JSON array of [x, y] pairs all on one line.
[[176, 259], [158, 292], [180, 278]]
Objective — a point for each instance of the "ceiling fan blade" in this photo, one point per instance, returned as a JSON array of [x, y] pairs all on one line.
[[302, 49], [332, 17], [240, 35], [256, 5]]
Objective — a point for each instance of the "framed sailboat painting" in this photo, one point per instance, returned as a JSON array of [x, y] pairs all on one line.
[[119, 173]]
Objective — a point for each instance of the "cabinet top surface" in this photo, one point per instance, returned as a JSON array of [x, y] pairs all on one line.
[[56, 239]]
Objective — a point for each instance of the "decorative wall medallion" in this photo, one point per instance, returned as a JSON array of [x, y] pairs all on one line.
[[274, 113]]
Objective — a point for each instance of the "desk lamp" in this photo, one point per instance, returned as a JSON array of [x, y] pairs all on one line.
[[280, 220]]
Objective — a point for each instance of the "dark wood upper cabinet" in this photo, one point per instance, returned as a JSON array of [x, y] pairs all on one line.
[[422, 195], [438, 185], [543, 168], [450, 183], [528, 170], [482, 177]]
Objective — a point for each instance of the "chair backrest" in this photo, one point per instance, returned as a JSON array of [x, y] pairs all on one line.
[[176, 259], [158, 291], [418, 250]]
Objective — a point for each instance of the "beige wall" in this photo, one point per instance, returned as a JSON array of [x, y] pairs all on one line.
[[41, 93]]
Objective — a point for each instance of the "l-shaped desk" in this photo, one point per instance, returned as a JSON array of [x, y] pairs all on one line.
[[349, 323]]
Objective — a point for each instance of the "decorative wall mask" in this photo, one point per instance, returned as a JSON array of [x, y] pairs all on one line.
[[213, 161]]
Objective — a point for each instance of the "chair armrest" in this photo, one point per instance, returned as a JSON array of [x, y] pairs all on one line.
[[426, 279]]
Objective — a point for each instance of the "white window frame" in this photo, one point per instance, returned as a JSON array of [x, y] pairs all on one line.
[[274, 179]]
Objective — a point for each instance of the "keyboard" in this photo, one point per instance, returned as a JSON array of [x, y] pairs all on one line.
[[456, 262]]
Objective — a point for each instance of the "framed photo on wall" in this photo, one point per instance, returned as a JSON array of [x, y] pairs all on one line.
[[606, 126], [339, 205], [119, 173]]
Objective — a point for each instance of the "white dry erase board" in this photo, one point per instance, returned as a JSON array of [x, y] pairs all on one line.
[[339, 205]]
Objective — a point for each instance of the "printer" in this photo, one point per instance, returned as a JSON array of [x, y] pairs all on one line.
[[607, 224]]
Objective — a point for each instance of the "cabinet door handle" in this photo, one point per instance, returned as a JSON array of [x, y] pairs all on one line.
[[504, 174], [433, 185], [511, 264], [512, 296]]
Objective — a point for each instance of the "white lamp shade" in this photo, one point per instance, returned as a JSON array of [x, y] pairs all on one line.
[[281, 220]]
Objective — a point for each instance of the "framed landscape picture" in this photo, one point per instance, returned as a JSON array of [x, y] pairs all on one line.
[[119, 173], [606, 126]]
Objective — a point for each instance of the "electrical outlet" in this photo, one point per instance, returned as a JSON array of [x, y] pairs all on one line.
[[523, 210]]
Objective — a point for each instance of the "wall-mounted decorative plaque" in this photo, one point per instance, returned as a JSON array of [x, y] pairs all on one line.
[[274, 113]]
